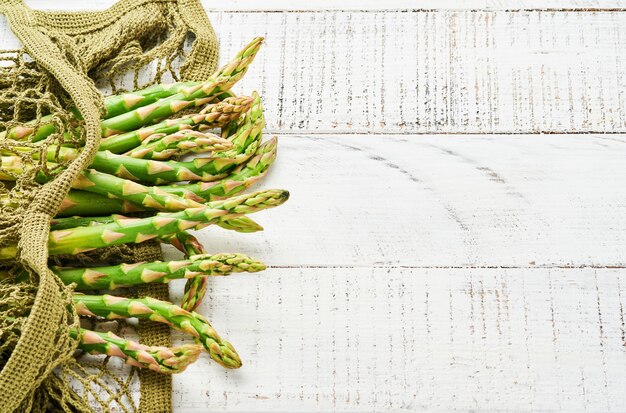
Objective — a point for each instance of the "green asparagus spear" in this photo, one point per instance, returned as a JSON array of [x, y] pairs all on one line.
[[180, 143], [240, 178], [215, 115], [185, 243], [114, 105], [152, 198], [141, 170], [76, 240], [79, 221], [109, 185], [53, 153], [117, 104], [38, 129], [87, 204], [245, 142], [143, 196], [195, 288], [156, 358], [124, 275], [241, 224], [130, 111], [224, 80], [111, 307]]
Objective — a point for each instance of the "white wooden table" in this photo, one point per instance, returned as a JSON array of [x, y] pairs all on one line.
[[456, 234]]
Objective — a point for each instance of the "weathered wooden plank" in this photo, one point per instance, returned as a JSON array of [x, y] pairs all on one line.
[[391, 339], [478, 200], [273, 5], [436, 72], [279, 5]]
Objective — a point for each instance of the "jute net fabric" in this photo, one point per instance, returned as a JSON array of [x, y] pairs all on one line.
[[63, 57]]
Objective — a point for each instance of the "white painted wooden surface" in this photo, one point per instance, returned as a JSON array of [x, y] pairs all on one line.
[[428, 273], [438, 251], [283, 5], [437, 72]]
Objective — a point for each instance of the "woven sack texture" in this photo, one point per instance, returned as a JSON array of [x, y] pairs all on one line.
[[63, 58]]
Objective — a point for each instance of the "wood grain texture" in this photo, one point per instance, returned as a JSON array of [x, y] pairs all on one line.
[[417, 266], [415, 339], [273, 5], [281, 5], [436, 72], [427, 273], [442, 201]]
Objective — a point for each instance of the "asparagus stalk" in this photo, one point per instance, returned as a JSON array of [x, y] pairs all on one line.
[[39, 130], [114, 105], [136, 230], [142, 170], [215, 115], [129, 111], [241, 178], [124, 275], [226, 77], [159, 172], [111, 307], [245, 142], [180, 143], [151, 198], [248, 130], [117, 104], [109, 185], [78, 221], [143, 196], [195, 288], [86, 204], [52, 153], [241, 224], [185, 243], [156, 358]]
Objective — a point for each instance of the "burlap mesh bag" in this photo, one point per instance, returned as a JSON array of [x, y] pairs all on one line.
[[62, 59]]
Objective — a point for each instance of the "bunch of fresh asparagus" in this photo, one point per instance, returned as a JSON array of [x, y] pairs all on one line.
[[138, 169]]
